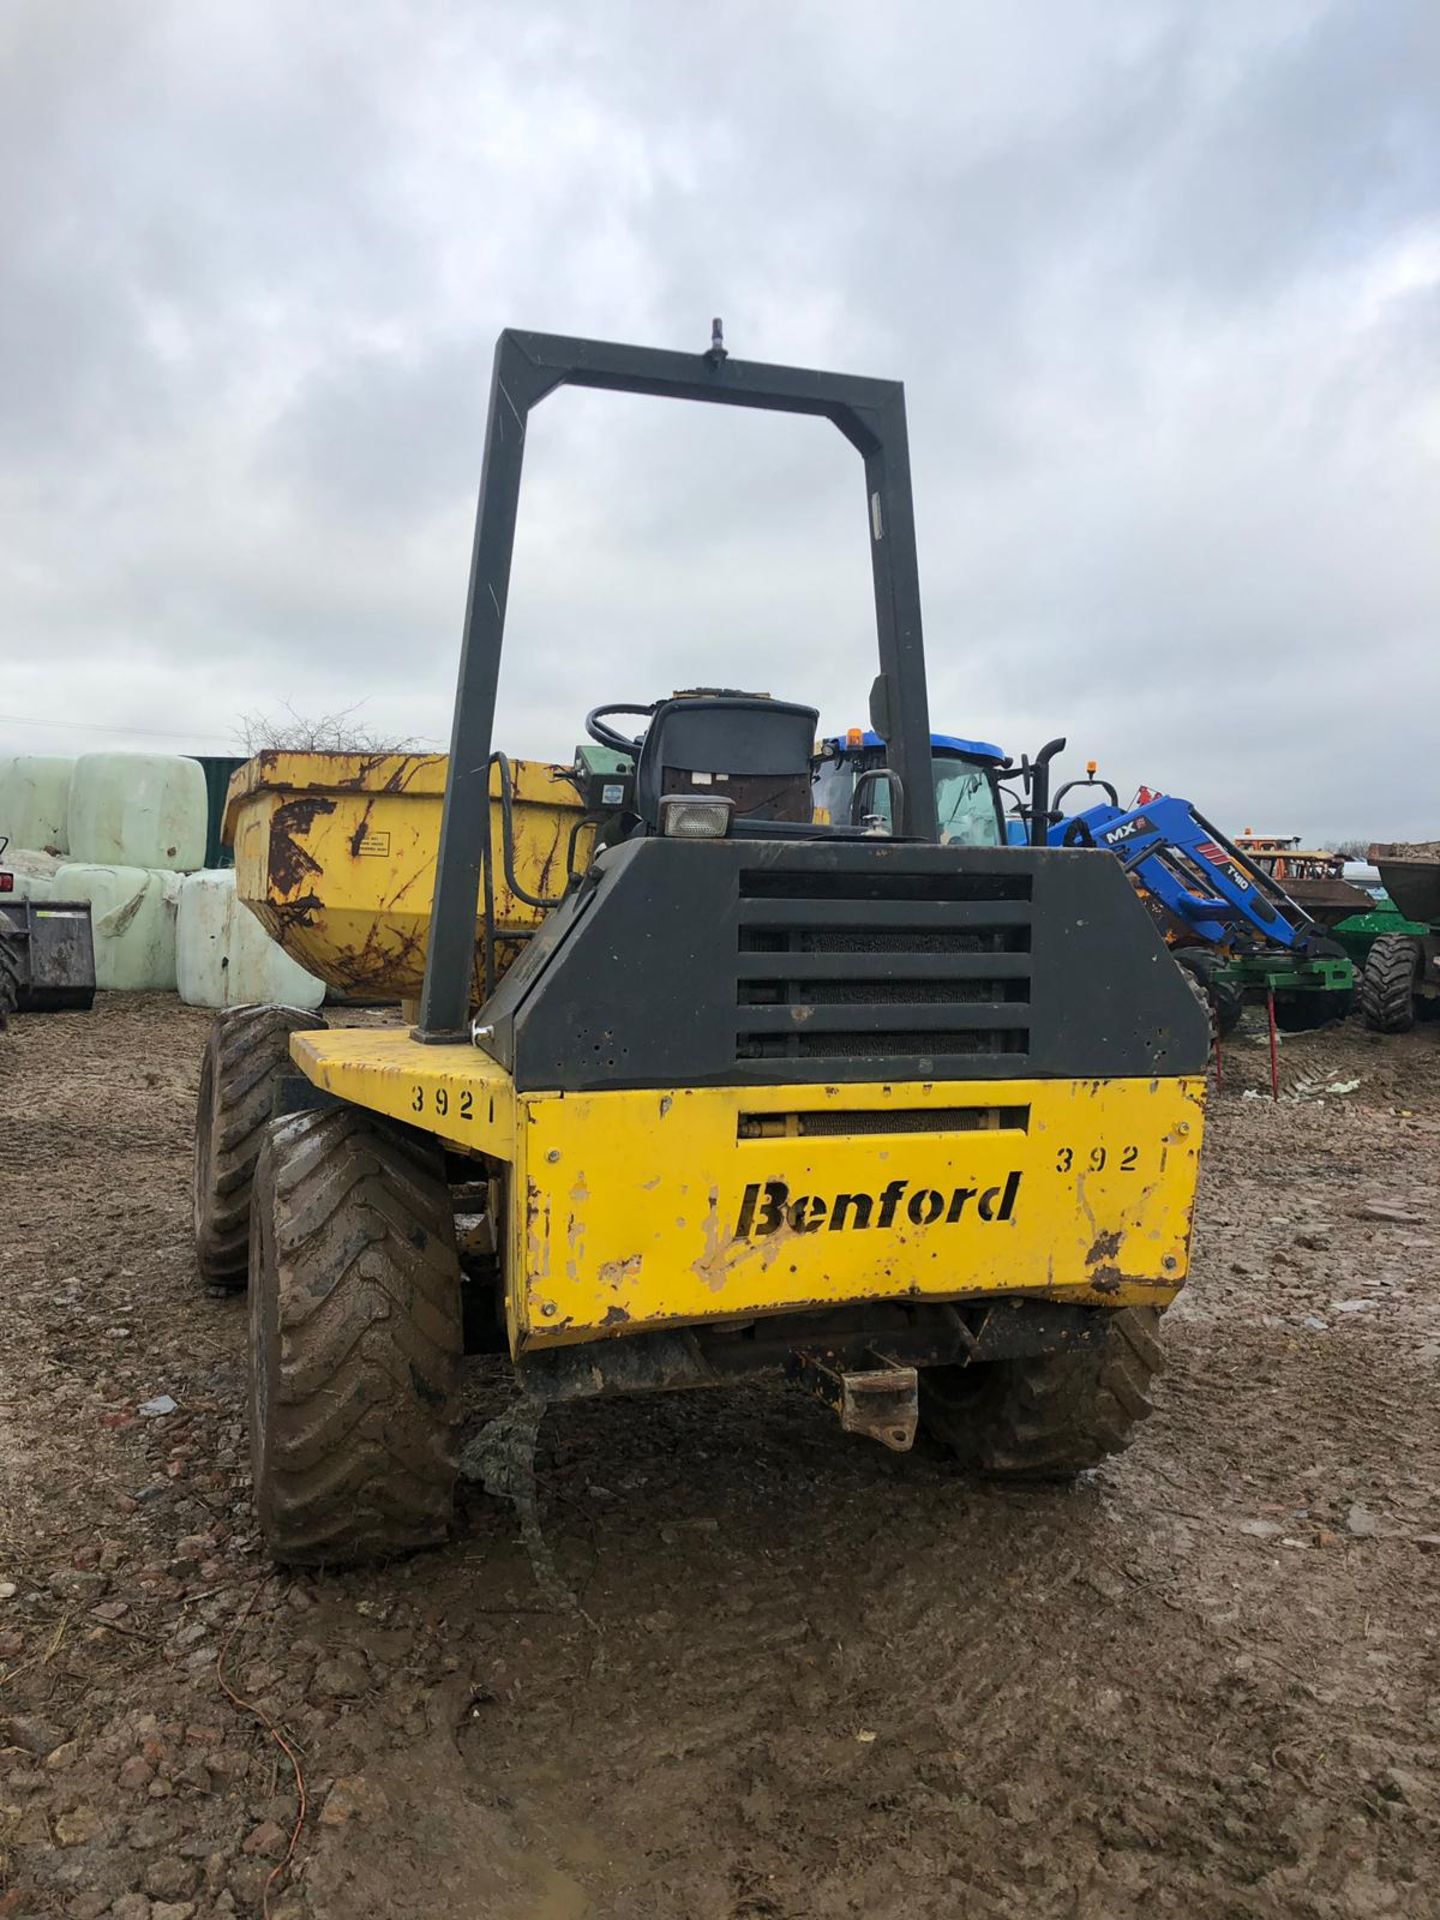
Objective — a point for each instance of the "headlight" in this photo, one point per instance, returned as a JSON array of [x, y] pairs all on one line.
[[685, 818]]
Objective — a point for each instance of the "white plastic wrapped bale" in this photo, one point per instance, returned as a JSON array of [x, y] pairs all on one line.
[[35, 800], [132, 917], [225, 958], [138, 810], [33, 874]]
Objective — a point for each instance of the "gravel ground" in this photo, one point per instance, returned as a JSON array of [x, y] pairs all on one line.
[[794, 1676]]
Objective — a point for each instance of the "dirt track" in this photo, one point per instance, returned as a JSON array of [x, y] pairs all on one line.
[[800, 1677]]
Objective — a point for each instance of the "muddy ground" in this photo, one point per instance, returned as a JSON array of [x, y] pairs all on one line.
[[799, 1677]]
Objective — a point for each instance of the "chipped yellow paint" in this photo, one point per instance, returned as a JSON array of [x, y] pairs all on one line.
[[1090, 1202], [456, 1093], [335, 856], [670, 1207]]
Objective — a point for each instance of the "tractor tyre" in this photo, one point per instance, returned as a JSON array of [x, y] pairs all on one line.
[[355, 1341], [1051, 1416], [1387, 985], [10, 974], [247, 1054], [1225, 1000]]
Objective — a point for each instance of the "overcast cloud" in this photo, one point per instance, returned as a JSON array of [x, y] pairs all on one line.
[[1162, 280]]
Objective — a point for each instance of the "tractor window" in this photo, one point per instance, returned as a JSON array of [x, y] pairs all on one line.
[[964, 797], [833, 786], [965, 802]]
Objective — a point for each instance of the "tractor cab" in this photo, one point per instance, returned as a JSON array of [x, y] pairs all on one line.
[[964, 774]]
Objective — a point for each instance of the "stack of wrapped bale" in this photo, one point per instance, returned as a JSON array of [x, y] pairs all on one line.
[[131, 830]]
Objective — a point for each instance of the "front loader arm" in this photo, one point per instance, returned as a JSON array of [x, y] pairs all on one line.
[[1193, 871]]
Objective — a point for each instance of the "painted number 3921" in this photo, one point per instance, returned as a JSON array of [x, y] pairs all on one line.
[[442, 1103], [1119, 1159]]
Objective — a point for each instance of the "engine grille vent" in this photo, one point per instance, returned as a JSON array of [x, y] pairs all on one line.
[[909, 969]]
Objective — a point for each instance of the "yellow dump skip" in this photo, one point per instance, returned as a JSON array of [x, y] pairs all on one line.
[[335, 855]]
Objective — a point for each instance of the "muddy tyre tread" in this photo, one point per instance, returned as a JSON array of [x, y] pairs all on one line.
[[355, 1341], [9, 976], [246, 1052], [1223, 1000], [1387, 984], [1050, 1417]]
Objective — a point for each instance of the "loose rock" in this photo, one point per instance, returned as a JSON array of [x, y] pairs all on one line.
[[73, 1829], [171, 1878], [353, 1797], [34, 1735], [267, 1839]]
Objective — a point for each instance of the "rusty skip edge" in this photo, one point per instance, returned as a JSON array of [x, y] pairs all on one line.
[[284, 770]]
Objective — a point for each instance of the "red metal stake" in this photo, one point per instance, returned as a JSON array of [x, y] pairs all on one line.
[[1274, 1046]]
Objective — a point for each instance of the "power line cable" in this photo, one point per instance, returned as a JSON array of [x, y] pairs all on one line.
[[95, 726]]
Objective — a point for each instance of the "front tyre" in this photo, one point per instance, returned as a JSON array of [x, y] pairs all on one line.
[[247, 1054], [1051, 1416], [355, 1341], [1225, 1000]]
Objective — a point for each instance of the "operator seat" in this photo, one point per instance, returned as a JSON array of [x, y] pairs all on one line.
[[738, 746]]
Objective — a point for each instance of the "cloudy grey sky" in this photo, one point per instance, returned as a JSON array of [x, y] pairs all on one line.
[[1162, 279]]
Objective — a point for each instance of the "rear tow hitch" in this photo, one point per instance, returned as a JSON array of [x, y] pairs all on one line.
[[882, 1402]]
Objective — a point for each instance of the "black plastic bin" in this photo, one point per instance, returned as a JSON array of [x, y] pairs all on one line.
[[56, 953]]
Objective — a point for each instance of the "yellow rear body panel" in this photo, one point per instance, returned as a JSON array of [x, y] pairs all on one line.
[[640, 1209], [647, 1209]]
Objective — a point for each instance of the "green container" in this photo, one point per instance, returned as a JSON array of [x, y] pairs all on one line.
[[217, 769], [1360, 932]]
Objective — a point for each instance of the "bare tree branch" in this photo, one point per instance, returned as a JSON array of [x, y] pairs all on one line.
[[338, 732]]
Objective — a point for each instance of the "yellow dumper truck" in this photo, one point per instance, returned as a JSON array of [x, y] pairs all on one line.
[[698, 1087]]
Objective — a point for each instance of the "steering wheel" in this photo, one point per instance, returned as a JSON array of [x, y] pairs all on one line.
[[607, 736]]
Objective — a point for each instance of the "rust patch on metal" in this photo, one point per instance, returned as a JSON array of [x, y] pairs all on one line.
[[355, 782], [358, 836], [1106, 1246], [285, 916], [290, 864], [408, 768]]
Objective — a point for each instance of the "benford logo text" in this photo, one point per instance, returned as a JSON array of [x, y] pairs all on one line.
[[768, 1206]]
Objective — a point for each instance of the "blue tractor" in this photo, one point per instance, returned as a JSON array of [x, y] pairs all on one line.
[[1228, 922], [853, 785], [1231, 924]]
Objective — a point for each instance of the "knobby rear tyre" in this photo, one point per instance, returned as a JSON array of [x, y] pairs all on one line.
[[1052, 1416], [1387, 984], [9, 976], [247, 1053], [355, 1341]]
